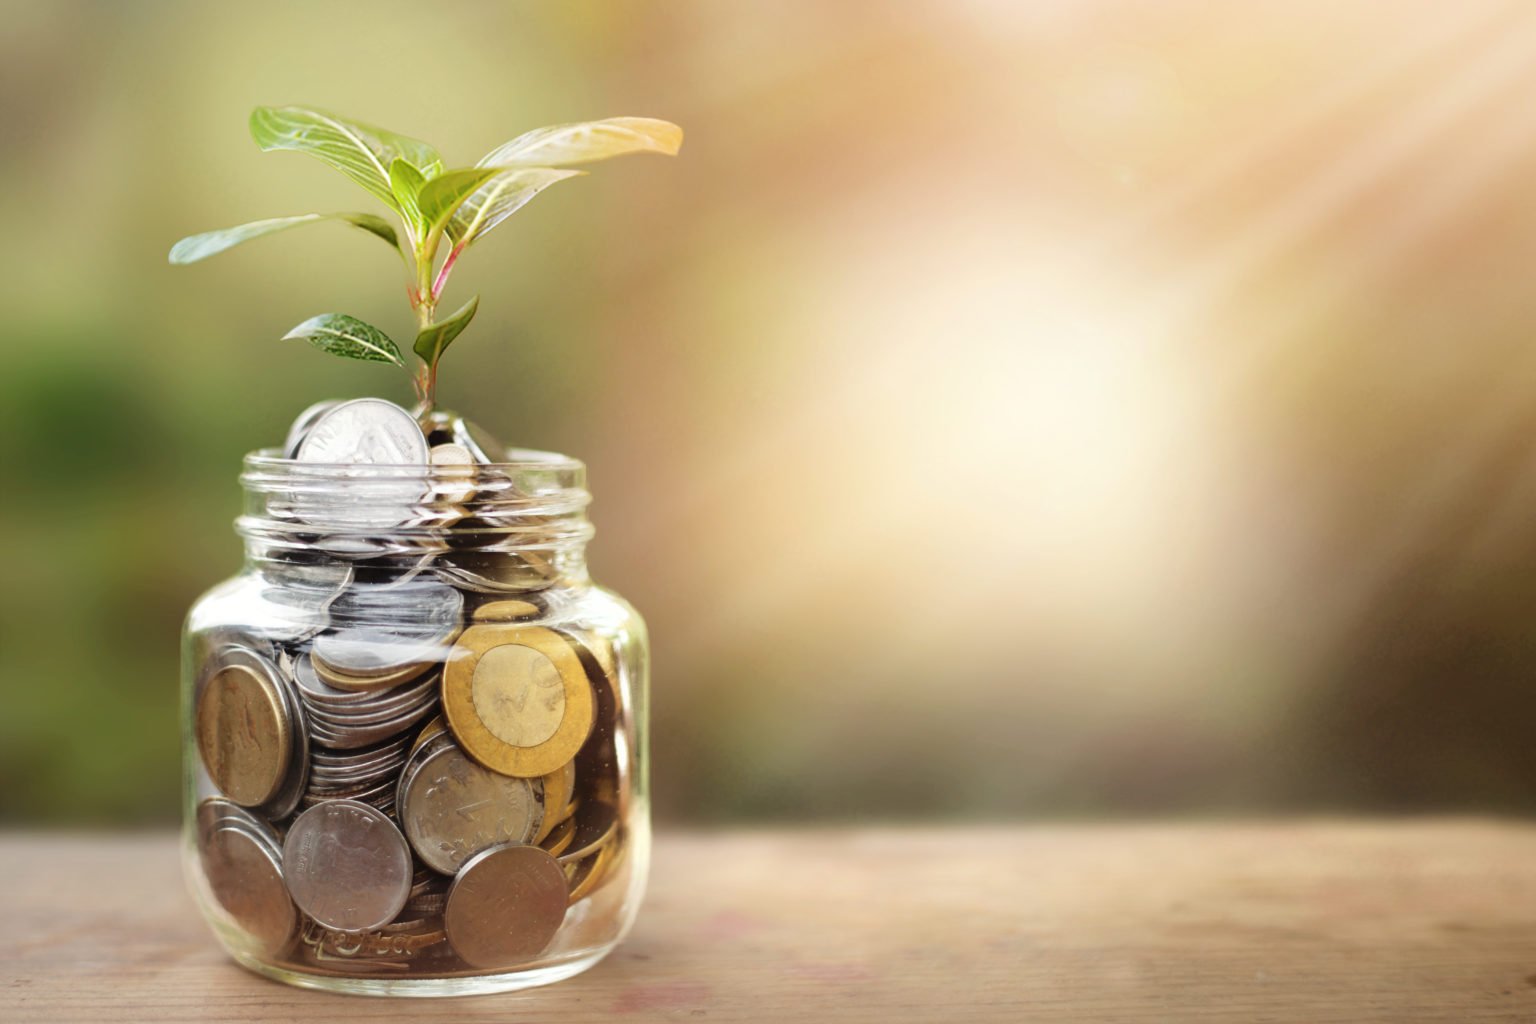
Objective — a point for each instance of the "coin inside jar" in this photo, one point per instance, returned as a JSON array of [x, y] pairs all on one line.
[[347, 865], [243, 867], [452, 808], [505, 905], [517, 698], [244, 727], [379, 632]]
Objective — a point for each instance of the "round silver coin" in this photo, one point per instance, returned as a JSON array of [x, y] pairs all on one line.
[[347, 865], [378, 628], [362, 433], [452, 809], [305, 421]]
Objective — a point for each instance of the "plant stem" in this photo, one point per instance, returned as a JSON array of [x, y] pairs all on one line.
[[424, 301]]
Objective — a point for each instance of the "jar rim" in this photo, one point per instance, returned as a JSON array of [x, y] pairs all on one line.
[[518, 460]]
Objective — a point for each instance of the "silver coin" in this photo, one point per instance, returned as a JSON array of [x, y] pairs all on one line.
[[347, 865], [363, 434], [366, 432], [453, 808], [475, 440], [302, 425], [377, 629]]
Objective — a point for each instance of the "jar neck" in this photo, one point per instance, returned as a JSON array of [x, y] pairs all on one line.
[[503, 527]]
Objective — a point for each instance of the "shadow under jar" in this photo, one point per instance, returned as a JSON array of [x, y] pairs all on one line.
[[414, 731]]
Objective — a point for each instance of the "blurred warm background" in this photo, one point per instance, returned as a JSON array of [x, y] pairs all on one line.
[[998, 409]]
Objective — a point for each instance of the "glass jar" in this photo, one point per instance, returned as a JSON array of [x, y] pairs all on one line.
[[415, 731]]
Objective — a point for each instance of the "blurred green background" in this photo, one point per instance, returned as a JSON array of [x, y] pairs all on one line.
[[997, 410]]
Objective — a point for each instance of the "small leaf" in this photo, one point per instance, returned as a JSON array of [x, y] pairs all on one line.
[[434, 339], [343, 335], [586, 141], [362, 152], [443, 194], [211, 243], [499, 198], [405, 181]]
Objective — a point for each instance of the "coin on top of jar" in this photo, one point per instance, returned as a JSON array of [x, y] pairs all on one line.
[[517, 698], [362, 433], [243, 725]]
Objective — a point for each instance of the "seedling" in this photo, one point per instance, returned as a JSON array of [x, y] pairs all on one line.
[[443, 212]]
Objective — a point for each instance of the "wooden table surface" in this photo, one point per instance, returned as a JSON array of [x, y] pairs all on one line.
[[1290, 922]]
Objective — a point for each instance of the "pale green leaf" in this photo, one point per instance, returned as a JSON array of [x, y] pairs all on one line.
[[434, 339], [347, 336], [499, 198], [406, 181], [441, 196], [211, 243], [362, 152], [586, 141]]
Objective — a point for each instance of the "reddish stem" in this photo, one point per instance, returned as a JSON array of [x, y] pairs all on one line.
[[442, 274]]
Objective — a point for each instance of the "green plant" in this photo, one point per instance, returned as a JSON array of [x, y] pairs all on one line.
[[442, 211]]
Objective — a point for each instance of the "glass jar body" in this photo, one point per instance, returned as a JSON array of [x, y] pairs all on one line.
[[409, 774]]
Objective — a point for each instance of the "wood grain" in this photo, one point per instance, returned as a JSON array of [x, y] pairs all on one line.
[[1298, 922]]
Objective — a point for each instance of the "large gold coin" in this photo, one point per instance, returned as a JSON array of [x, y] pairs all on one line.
[[243, 732], [517, 698]]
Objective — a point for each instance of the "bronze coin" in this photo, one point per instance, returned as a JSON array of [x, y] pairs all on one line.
[[243, 730], [241, 864], [505, 906]]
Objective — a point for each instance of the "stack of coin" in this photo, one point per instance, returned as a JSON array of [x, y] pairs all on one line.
[[414, 761]]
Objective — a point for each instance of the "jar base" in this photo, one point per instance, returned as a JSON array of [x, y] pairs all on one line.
[[427, 988]]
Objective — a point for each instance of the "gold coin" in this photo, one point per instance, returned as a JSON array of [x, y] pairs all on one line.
[[596, 826], [588, 874], [558, 786], [560, 838], [507, 610], [243, 732], [435, 727], [517, 698], [349, 681]]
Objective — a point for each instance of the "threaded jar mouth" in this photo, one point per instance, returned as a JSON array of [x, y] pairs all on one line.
[[534, 502]]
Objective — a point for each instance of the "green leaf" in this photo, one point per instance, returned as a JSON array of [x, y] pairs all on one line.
[[405, 181], [211, 243], [362, 152], [499, 198], [343, 335], [434, 339], [443, 194], [586, 141]]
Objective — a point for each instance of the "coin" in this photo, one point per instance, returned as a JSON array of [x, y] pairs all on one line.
[[453, 473], [505, 905], [452, 809], [363, 433], [382, 629], [301, 426], [244, 873], [347, 865], [588, 874], [558, 787], [243, 726], [517, 698], [508, 610], [477, 442], [595, 825]]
